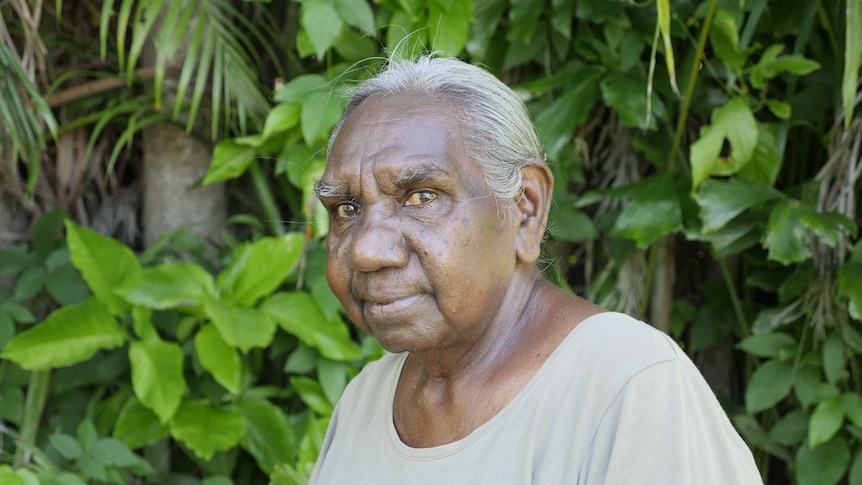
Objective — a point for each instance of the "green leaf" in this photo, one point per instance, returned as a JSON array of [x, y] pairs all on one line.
[[654, 210], [806, 384], [157, 376], [791, 429], [786, 237], [167, 286], [568, 223], [312, 395], [722, 200], [356, 13], [29, 283], [282, 117], [771, 65], [300, 88], [114, 453], [449, 28], [769, 384], [230, 160], [829, 226], [556, 123], [767, 345], [724, 39], [823, 465], [241, 327], [755, 436], [205, 429], [66, 286], [69, 335], [628, 97], [103, 263], [735, 122], [826, 420], [17, 312], [267, 434], [137, 426], [852, 58], [66, 445], [833, 357], [332, 377], [766, 161], [320, 112], [781, 109], [322, 24], [298, 314], [855, 476], [259, 268], [852, 404], [850, 287], [219, 358]]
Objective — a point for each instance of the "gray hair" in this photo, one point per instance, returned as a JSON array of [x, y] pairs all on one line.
[[500, 134]]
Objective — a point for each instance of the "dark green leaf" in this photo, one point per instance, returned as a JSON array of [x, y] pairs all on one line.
[[754, 434], [29, 283], [769, 384], [855, 477], [766, 160], [724, 39], [852, 404], [722, 200], [806, 384], [829, 226], [137, 426], [628, 97], [66, 286], [267, 433], [786, 237], [654, 210], [850, 286], [195, 421], [66, 445], [114, 453], [767, 345], [824, 464], [312, 395], [833, 357], [557, 122], [791, 429]]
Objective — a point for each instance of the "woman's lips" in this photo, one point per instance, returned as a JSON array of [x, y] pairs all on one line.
[[382, 308]]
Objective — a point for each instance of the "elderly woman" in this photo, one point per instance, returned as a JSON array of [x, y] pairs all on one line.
[[438, 195]]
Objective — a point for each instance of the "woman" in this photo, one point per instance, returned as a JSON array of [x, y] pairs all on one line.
[[438, 194]]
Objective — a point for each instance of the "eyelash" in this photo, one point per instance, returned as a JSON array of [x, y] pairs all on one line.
[[336, 210]]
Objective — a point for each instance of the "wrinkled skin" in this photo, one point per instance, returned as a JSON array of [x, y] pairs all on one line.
[[424, 258]]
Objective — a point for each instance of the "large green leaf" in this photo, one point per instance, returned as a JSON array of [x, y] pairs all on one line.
[[628, 97], [157, 376], [259, 268], [826, 420], [230, 160], [241, 327], [850, 286], [724, 39], [557, 122], [786, 238], [735, 122], [852, 59], [771, 64], [833, 357], [791, 429], [767, 345], [356, 13], [449, 25], [829, 227], [824, 464], [769, 384], [69, 335], [300, 88], [167, 286], [219, 358], [205, 429], [137, 426], [766, 160], [653, 211], [267, 433], [852, 404], [298, 314], [722, 200], [312, 394], [322, 24], [320, 112], [282, 117], [103, 262]]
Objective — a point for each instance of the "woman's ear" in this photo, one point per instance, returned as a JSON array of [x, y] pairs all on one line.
[[533, 207]]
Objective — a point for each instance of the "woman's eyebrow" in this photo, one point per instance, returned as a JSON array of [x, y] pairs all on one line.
[[325, 189], [412, 176]]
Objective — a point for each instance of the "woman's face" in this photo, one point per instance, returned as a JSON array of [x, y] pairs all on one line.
[[419, 252]]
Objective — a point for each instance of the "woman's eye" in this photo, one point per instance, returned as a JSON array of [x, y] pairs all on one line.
[[420, 197], [346, 210]]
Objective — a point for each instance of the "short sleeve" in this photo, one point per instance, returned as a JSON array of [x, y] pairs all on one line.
[[666, 427]]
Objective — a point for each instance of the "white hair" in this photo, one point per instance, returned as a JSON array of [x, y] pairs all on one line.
[[499, 133]]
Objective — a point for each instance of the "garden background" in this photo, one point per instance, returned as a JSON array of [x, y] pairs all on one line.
[[164, 317]]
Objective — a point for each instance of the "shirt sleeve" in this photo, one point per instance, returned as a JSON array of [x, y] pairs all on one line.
[[665, 426]]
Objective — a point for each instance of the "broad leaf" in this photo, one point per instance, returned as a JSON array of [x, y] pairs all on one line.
[[766, 160], [826, 420], [157, 376], [282, 117], [312, 394], [724, 39], [449, 28], [767, 345], [320, 112], [69, 335], [628, 97], [356, 13], [137, 426], [267, 434], [850, 286], [771, 65], [241, 327], [786, 238], [299, 315], [852, 404], [167, 286], [722, 200], [654, 210], [833, 357], [556, 123], [735, 122], [769, 384], [103, 263], [300, 88], [791, 429], [322, 24], [219, 358], [824, 464], [829, 226], [259, 268], [205, 429], [230, 160]]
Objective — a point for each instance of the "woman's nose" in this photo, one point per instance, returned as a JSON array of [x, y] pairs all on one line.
[[378, 243]]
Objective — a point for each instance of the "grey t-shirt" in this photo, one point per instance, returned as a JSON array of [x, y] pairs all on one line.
[[617, 402]]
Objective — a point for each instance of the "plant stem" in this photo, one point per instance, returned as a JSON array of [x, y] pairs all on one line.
[[271, 214], [692, 81], [37, 395]]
